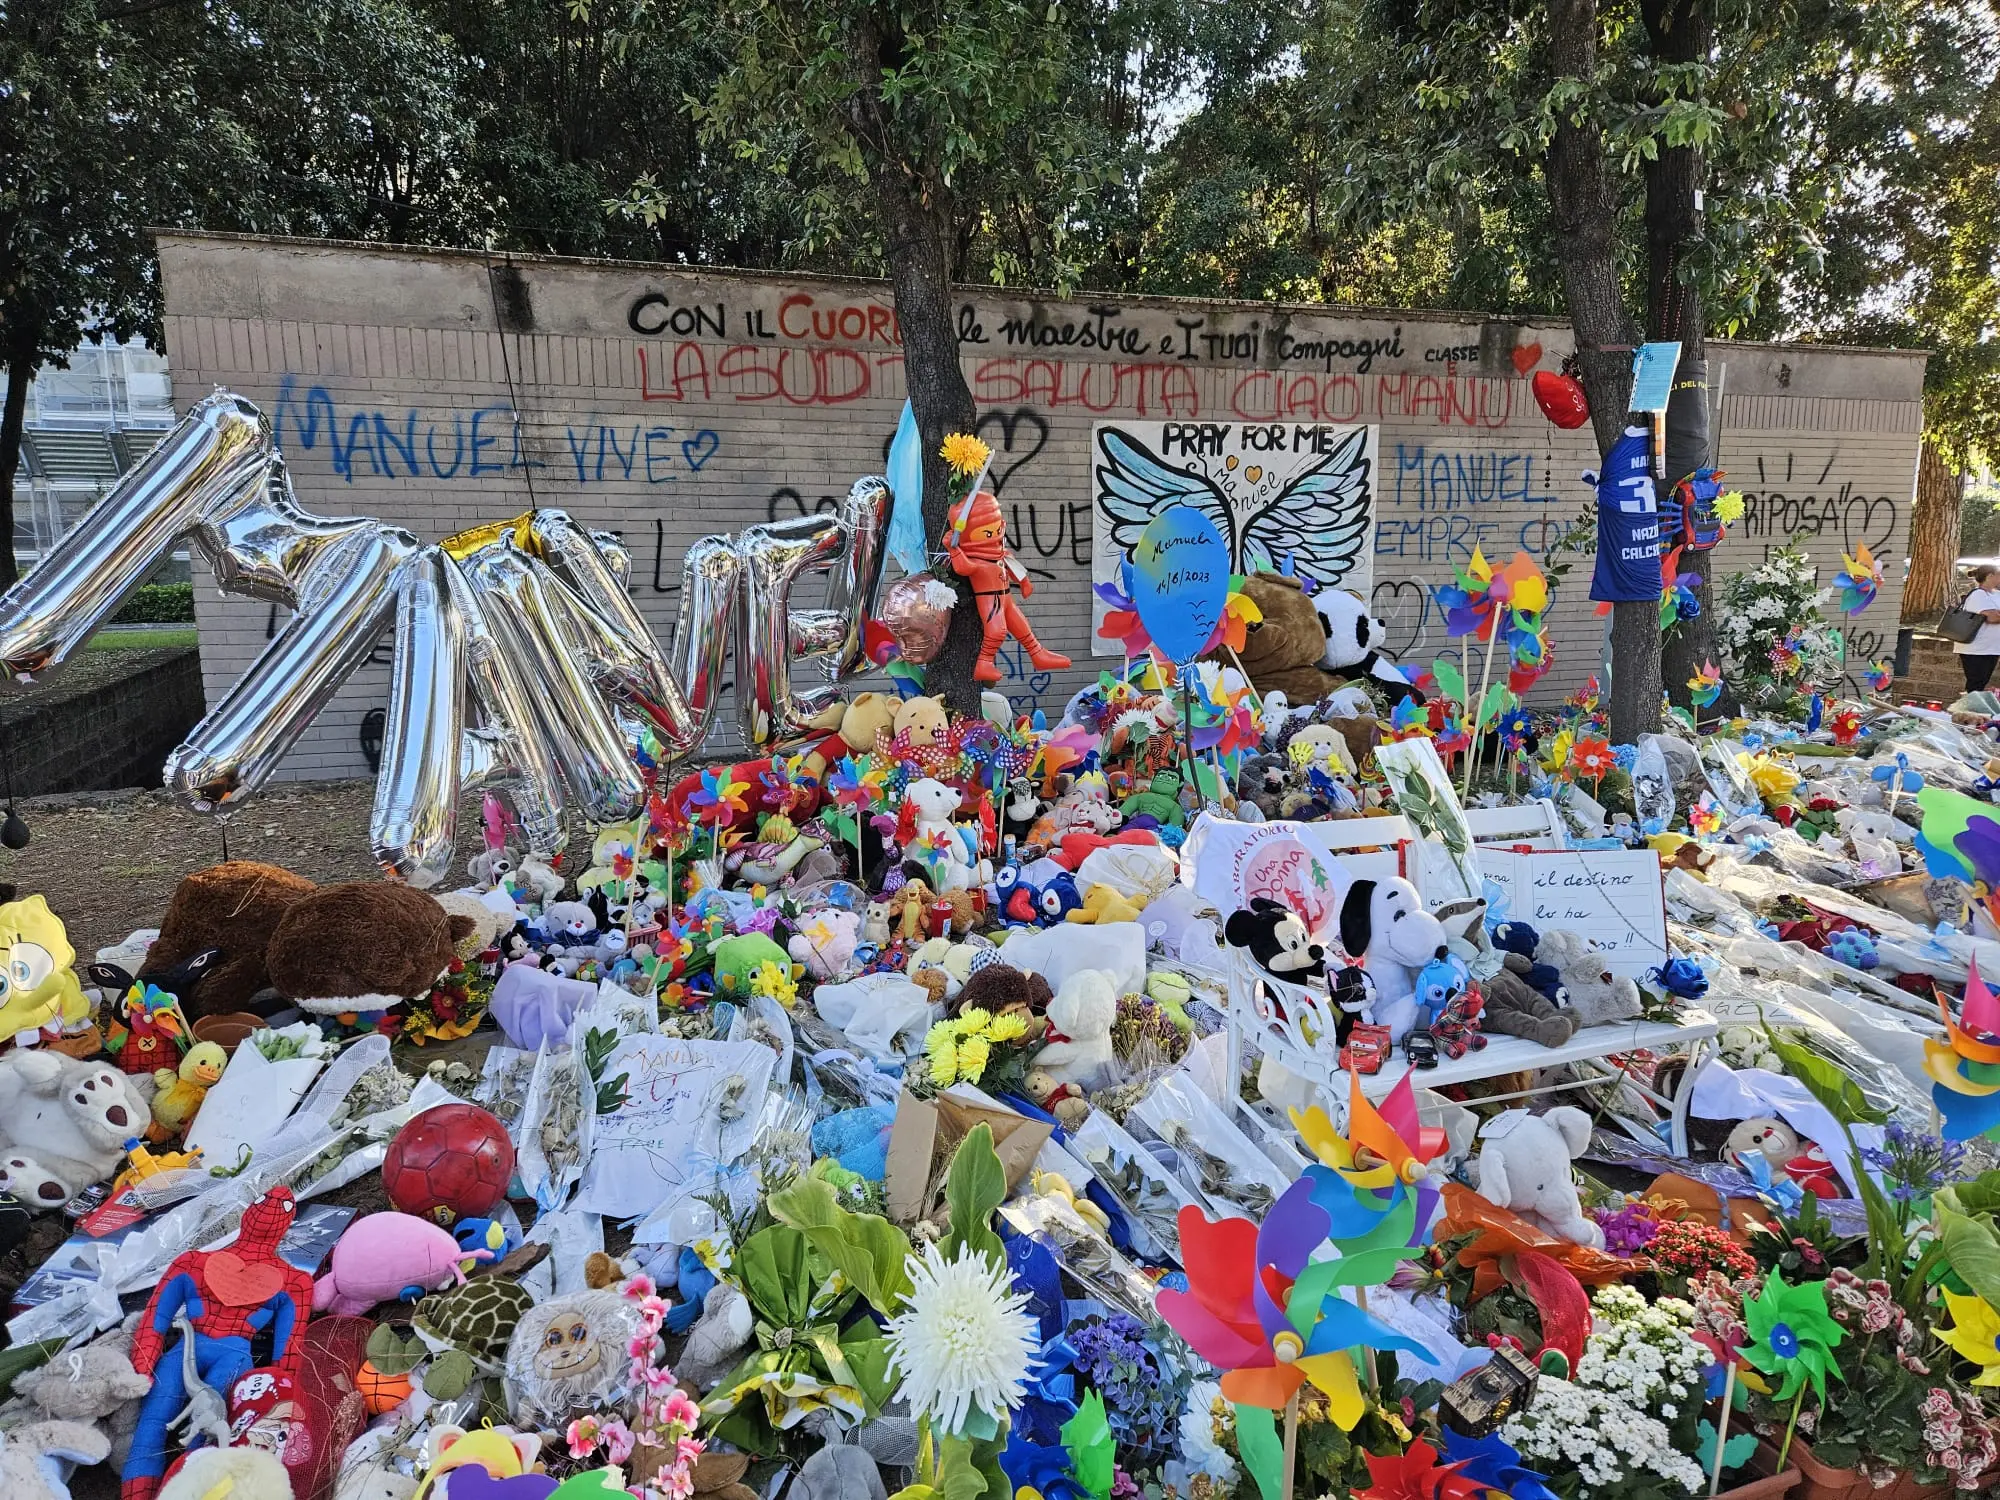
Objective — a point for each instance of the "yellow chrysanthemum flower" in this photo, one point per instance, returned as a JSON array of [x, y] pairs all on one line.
[[1008, 1028], [1729, 506], [973, 1053], [973, 1018], [964, 454]]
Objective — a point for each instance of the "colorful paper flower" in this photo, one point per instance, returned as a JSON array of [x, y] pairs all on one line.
[[1705, 686], [1860, 581], [1705, 818], [1974, 1334], [1792, 1336]]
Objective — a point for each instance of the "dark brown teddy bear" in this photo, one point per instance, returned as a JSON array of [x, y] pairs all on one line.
[[234, 907], [1282, 653], [362, 946]]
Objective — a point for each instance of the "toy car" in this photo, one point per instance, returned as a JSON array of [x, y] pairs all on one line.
[[1368, 1047]]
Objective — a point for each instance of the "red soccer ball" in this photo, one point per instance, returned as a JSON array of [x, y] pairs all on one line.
[[448, 1164]]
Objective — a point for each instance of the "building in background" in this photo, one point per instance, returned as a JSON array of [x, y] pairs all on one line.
[[85, 427]]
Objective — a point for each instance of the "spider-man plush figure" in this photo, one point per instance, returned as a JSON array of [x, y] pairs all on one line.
[[228, 1295]]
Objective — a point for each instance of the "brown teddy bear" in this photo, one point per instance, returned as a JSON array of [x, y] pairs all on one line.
[[362, 946], [855, 729], [1001, 989], [234, 907], [1282, 653]]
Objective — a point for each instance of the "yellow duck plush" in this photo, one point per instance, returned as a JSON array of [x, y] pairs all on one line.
[[180, 1092], [37, 984], [1103, 903]]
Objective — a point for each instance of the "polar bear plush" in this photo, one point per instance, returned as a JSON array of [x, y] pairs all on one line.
[[1524, 1164], [64, 1124], [1081, 1016]]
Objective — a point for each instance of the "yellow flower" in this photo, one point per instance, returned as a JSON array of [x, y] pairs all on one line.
[[1008, 1028], [1975, 1333], [769, 979], [965, 454], [974, 1018], [972, 1056], [1559, 750], [1729, 506], [1774, 782], [941, 1047]]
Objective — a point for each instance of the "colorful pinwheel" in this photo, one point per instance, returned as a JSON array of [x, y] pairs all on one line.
[[1529, 652], [1974, 1334], [1271, 1318], [1705, 686], [719, 797], [1592, 757], [1416, 1474], [1514, 729], [1454, 736], [1494, 1464], [1878, 676], [1845, 727], [1121, 621], [1860, 581], [1239, 613], [1409, 720], [1372, 1181], [1965, 1068], [1705, 817], [1792, 1336], [1678, 600]]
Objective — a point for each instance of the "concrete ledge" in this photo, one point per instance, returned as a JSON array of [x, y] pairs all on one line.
[[106, 720]]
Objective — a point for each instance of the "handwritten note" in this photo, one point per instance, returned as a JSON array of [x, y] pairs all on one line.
[[1179, 580], [690, 1109], [1611, 896]]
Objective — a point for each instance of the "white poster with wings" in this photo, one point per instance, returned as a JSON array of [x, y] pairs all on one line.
[[1297, 497]]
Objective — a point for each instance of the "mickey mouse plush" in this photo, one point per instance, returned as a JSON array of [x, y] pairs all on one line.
[[1277, 939]]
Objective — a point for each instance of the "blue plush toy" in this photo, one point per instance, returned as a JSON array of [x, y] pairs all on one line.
[[1853, 947], [1440, 982], [1520, 939]]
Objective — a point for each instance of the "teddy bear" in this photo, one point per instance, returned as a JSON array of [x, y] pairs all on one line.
[[1077, 1048], [1000, 989], [235, 907], [241, 1472], [1354, 640], [1591, 992], [362, 946], [1276, 938], [1524, 1165], [1770, 1138], [1282, 652], [965, 909], [920, 721], [1516, 943], [826, 940], [488, 921], [1103, 903], [940, 956], [948, 852], [1260, 783], [35, 1460], [64, 1124], [1514, 1007], [1872, 835], [1054, 1096]]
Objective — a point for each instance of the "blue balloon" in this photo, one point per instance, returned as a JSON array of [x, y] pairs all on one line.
[[1178, 580]]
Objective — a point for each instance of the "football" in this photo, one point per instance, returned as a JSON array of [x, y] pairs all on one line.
[[448, 1164]]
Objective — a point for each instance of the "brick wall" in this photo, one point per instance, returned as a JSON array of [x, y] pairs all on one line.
[[669, 404], [105, 722]]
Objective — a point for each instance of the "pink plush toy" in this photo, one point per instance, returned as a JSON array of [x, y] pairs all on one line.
[[390, 1256]]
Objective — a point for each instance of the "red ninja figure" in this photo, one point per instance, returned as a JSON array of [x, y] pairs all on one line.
[[227, 1297], [979, 555]]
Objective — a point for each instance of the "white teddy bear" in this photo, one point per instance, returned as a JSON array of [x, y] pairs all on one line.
[[1524, 1164], [64, 1124], [1081, 1014]]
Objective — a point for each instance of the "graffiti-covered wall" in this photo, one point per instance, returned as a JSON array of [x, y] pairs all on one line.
[[436, 391]]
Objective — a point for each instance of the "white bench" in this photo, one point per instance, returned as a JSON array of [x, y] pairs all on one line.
[[1276, 1018]]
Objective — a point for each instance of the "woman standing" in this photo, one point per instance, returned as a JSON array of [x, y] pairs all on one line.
[[1980, 654]]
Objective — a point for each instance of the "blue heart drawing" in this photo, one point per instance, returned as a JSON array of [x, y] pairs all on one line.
[[700, 448]]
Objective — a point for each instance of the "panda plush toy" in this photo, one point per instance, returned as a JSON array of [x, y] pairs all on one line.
[[1353, 644]]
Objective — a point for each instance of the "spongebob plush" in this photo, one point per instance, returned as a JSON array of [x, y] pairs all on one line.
[[37, 984]]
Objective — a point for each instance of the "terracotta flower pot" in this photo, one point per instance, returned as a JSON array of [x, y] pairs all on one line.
[[227, 1031], [1818, 1482], [1761, 1478]]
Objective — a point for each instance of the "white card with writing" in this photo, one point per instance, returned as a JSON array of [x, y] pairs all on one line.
[[1614, 897], [690, 1108]]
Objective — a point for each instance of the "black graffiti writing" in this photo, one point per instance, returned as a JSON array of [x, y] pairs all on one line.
[[1096, 331], [652, 314], [1325, 351], [1842, 514]]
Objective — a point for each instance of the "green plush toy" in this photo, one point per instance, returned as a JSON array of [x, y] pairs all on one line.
[[738, 958], [1160, 801]]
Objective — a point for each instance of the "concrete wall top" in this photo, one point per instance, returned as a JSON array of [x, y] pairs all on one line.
[[668, 403]]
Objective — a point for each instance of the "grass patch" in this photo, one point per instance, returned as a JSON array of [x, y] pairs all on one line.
[[140, 640]]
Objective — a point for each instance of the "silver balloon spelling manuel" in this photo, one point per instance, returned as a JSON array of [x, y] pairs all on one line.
[[520, 660]]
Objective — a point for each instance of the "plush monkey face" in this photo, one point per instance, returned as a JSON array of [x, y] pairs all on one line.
[[568, 1349]]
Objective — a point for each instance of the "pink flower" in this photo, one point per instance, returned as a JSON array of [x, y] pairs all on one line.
[[653, 1312], [680, 1409], [617, 1441], [679, 1484], [639, 1286], [642, 1345], [583, 1437], [1876, 1316], [659, 1381], [688, 1449]]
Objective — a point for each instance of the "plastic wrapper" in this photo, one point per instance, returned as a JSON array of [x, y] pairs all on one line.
[[572, 1238], [1151, 1196], [1216, 1160], [1084, 1255], [503, 1086], [837, 1079], [765, 1020], [553, 1141]]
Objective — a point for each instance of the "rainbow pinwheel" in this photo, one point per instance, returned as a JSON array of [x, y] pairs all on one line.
[[1271, 1318], [1705, 686], [1454, 736], [1792, 1336], [1678, 600], [1409, 719], [719, 797], [1530, 656], [1959, 837], [1417, 1475], [1860, 581], [1471, 604], [1372, 1181], [1705, 817], [1239, 613], [1878, 676], [1121, 621], [1965, 1069]]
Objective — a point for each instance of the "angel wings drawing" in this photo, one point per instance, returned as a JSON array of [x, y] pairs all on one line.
[[1314, 523]]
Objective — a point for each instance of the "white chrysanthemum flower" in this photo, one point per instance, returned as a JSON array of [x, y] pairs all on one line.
[[962, 1340], [1200, 1452]]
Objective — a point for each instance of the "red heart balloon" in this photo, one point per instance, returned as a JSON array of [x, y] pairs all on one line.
[[1561, 398]]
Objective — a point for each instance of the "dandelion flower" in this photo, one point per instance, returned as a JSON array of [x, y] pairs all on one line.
[[962, 1341]]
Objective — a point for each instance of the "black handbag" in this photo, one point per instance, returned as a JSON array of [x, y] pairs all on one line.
[[1960, 625]]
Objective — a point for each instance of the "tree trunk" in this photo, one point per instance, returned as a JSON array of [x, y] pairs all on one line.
[[1584, 207], [1678, 31], [1934, 522], [22, 362], [917, 234]]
